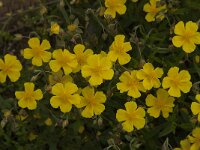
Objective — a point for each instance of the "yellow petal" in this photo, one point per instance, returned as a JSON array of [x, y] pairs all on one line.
[[75, 99], [28, 54], [174, 92], [86, 71], [189, 46], [14, 76], [46, 56], [121, 115], [185, 86], [98, 109], [127, 126], [67, 70], [38, 94], [147, 84], [34, 42], [29, 87], [19, 94], [79, 48], [121, 9], [179, 28], [31, 104], [147, 7], [150, 100], [37, 61], [2, 77], [95, 80], [45, 45], [108, 74], [154, 112], [124, 59], [58, 89], [197, 97], [134, 93], [70, 87], [88, 112], [110, 12], [55, 101], [112, 55], [66, 108], [196, 38], [150, 17], [139, 123], [22, 103], [54, 65], [100, 97], [195, 108], [191, 26], [178, 41], [130, 106], [166, 82]]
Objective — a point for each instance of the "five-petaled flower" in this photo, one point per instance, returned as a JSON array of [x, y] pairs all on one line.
[[177, 81], [162, 103], [115, 6], [131, 117], [150, 76], [129, 82], [63, 59], [92, 102], [98, 68], [154, 11], [195, 107], [65, 96], [81, 56], [28, 97], [37, 51], [10, 67], [186, 36], [118, 50], [195, 139]]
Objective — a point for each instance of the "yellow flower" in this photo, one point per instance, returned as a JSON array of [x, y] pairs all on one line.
[[10, 67], [162, 103], [37, 52], [28, 97], [63, 59], [81, 56], [177, 82], [195, 107], [150, 76], [131, 117], [72, 27], [186, 36], [58, 77], [195, 139], [114, 6], [118, 50], [154, 11], [93, 102], [97, 68], [55, 28], [185, 145], [129, 82], [64, 96], [48, 122]]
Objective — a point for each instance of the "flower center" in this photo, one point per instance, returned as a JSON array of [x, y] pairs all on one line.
[[7, 68], [37, 51]]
